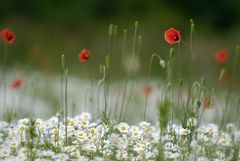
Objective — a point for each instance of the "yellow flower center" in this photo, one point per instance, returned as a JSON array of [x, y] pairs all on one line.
[[123, 128]]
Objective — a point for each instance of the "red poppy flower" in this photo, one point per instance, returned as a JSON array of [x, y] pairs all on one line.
[[172, 36], [221, 56], [8, 36], [84, 55], [16, 84], [147, 90]]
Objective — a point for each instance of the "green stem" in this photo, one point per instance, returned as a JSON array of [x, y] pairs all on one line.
[[4, 76], [112, 31], [149, 77], [129, 71], [191, 60], [124, 42], [65, 72], [228, 97], [191, 39], [122, 55], [66, 104]]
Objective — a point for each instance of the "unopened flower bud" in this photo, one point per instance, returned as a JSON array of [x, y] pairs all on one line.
[[162, 63]]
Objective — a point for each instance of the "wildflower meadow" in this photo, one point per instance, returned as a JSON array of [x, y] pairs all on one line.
[[179, 117]]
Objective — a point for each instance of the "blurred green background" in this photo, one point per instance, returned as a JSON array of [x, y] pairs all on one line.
[[46, 29]]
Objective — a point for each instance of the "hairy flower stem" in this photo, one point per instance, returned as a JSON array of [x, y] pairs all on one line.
[[121, 73], [191, 39], [180, 77], [123, 100], [4, 63], [124, 42], [65, 72], [169, 80], [112, 32], [100, 82], [66, 104], [133, 79], [191, 67], [238, 103], [149, 77], [129, 70], [228, 97], [3, 81]]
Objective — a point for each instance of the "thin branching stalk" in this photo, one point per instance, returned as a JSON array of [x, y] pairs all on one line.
[[4, 76], [66, 104], [230, 88], [112, 43], [134, 45], [121, 73], [125, 31], [65, 72], [111, 33], [129, 70], [191, 69], [123, 100], [86, 98], [100, 82], [98, 100], [91, 102], [149, 77], [180, 81], [169, 80], [137, 51], [191, 39]]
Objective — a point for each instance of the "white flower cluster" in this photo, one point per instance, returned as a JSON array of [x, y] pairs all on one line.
[[95, 141]]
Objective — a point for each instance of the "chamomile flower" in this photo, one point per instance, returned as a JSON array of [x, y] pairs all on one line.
[[92, 131], [47, 153], [121, 154], [100, 130], [81, 136], [121, 141], [86, 116], [171, 155], [24, 121], [23, 151], [14, 143], [89, 149], [123, 127], [22, 127], [202, 159], [71, 122], [38, 122], [181, 131], [5, 152], [21, 157], [53, 120], [202, 138], [84, 123], [139, 148], [60, 156], [78, 118], [83, 158], [54, 131], [144, 124], [98, 159], [69, 149], [135, 131]]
